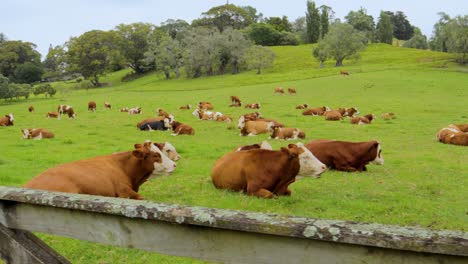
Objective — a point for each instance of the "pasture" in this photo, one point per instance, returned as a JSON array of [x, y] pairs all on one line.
[[422, 183]]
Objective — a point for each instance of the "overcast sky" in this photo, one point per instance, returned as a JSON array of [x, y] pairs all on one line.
[[45, 22]]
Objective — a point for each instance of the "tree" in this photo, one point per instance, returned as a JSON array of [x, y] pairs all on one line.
[[225, 16], [321, 54], [385, 28], [174, 27], [263, 34], [439, 35], [4, 87], [55, 61], [133, 44], [342, 42], [280, 24], [92, 53], [258, 57], [312, 22], [166, 53], [252, 14], [361, 21], [325, 19], [402, 28], [14, 53], [28, 73], [3, 37], [457, 37], [416, 42]]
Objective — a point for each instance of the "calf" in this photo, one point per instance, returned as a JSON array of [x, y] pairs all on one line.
[[186, 107], [263, 145], [31, 108], [388, 116], [265, 173], [235, 100], [253, 106], [453, 134], [36, 133], [279, 90], [124, 109], [181, 129], [302, 106], [107, 105], [344, 72], [333, 115], [318, 111], [161, 112], [347, 156], [134, 111], [291, 91], [66, 109], [205, 105], [156, 125], [115, 175], [7, 120], [222, 118], [362, 120], [287, 133], [351, 112], [53, 115], [252, 128], [92, 106]]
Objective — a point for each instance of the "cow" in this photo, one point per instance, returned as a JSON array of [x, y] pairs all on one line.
[[388, 116], [186, 107], [161, 112], [362, 120], [123, 109], [461, 127], [181, 129], [36, 133], [263, 145], [265, 173], [279, 90], [252, 128], [66, 109], [287, 133], [92, 106], [347, 156], [456, 134], [252, 116], [291, 91], [334, 115], [351, 112], [342, 72], [202, 114], [31, 108], [318, 111], [302, 106], [235, 100], [7, 120], [168, 150], [253, 106], [256, 117], [134, 111], [152, 119], [237, 104], [156, 125], [205, 105], [53, 115], [107, 105], [115, 175], [220, 117]]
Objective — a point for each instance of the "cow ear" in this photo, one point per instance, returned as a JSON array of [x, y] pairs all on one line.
[[139, 154], [292, 146], [285, 150], [137, 146]]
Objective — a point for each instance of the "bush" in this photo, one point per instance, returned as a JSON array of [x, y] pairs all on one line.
[[288, 38], [416, 42]]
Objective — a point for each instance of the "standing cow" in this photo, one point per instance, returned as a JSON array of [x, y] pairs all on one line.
[[92, 106]]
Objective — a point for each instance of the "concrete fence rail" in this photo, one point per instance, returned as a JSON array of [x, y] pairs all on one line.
[[210, 234]]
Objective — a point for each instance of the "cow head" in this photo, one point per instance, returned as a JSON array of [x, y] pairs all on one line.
[[274, 131], [309, 164], [167, 123], [241, 122], [270, 126], [195, 112], [169, 150], [10, 118], [151, 161], [166, 166], [26, 133], [379, 160]]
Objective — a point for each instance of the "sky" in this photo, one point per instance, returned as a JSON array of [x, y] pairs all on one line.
[[46, 22]]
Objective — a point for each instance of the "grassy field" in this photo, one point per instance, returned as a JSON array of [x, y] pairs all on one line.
[[423, 182]]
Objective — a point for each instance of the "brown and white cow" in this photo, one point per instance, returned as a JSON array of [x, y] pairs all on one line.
[[291, 91], [66, 109], [205, 105], [107, 105], [220, 117], [362, 120], [123, 109], [181, 129], [287, 133], [114, 175], [53, 115], [235, 101], [456, 134], [252, 128], [334, 115], [202, 114], [161, 112], [279, 90], [317, 111], [347, 156], [186, 107], [302, 106], [351, 112], [342, 72], [168, 150], [36, 133], [31, 108], [134, 111], [253, 106], [263, 145], [388, 116], [152, 119], [7, 120], [461, 127], [255, 117], [265, 173], [92, 106]]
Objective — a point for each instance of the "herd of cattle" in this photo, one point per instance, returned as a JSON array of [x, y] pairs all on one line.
[[255, 169]]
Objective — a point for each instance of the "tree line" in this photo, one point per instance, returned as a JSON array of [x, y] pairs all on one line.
[[225, 39]]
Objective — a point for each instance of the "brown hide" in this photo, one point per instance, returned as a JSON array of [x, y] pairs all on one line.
[[291, 91], [318, 111], [302, 106], [185, 107], [148, 120], [388, 116], [31, 108], [367, 119], [279, 90], [107, 105], [92, 106], [453, 135], [286, 133], [205, 105], [5, 121], [343, 155], [39, 132], [255, 127], [52, 115], [259, 172], [124, 109], [253, 106], [462, 127], [344, 72], [115, 175], [350, 112], [182, 129], [235, 100], [162, 113], [334, 115]]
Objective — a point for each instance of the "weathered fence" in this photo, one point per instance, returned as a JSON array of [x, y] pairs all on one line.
[[210, 234]]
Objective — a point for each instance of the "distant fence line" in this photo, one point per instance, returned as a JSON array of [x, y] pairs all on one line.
[[210, 234]]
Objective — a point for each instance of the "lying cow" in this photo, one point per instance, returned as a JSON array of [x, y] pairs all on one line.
[[291, 91], [53, 115], [253, 106], [115, 175], [334, 115], [263, 145], [362, 120], [123, 109], [287, 133], [351, 112], [388, 116], [347, 156], [92, 106], [161, 112], [220, 117], [186, 107], [265, 173], [302, 106], [205, 105], [134, 111], [235, 100], [279, 90], [344, 72], [36, 133], [202, 114], [318, 111], [66, 109], [31, 108], [181, 129], [7, 120], [156, 125], [252, 128], [454, 134], [107, 105]]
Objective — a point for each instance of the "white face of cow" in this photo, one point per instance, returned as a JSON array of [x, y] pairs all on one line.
[[167, 166], [270, 126], [195, 112], [167, 123], [310, 165], [170, 151], [379, 160], [11, 117], [25, 133], [241, 122]]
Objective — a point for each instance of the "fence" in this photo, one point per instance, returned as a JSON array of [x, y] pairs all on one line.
[[210, 234]]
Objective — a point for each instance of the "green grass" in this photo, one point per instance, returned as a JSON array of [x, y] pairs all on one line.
[[423, 182]]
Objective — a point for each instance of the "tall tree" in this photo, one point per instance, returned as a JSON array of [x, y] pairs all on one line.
[[225, 16], [263, 34], [279, 23], [342, 42], [361, 21], [385, 28], [55, 61], [166, 54], [258, 57], [28, 73], [252, 14], [174, 27], [325, 20], [457, 37], [92, 53], [312, 22], [402, 28], [14, 53], [439, 37], [3, 37], [133, 44]]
